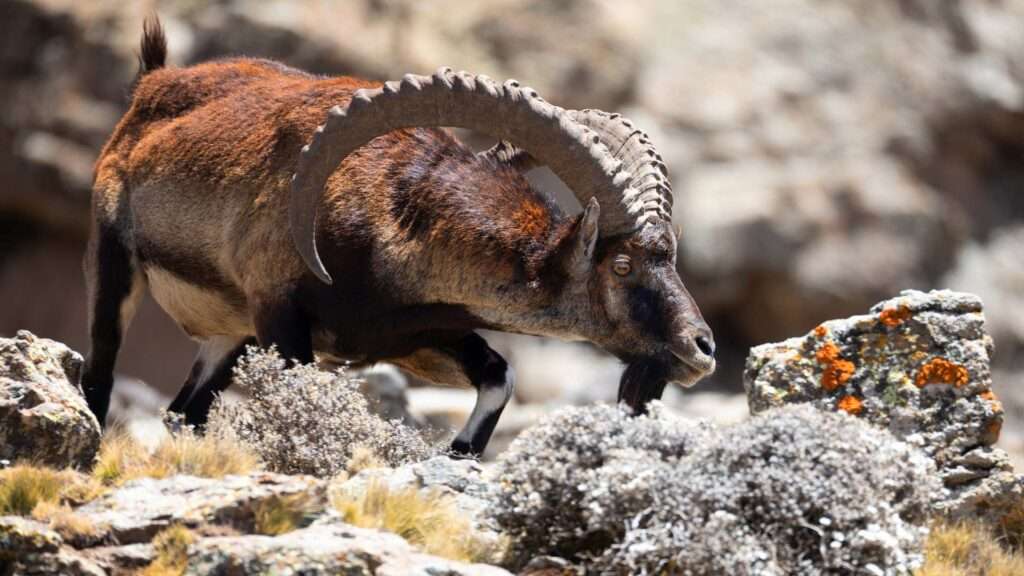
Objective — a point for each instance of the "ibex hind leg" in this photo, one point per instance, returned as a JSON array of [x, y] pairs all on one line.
[[115, 286], [210, 375]]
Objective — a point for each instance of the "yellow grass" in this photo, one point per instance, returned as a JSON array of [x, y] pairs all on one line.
[[122, 459], [280, 514], [426, 520], [969, 549], [65, 521], [363, 458], [24, 486], [171, 546]]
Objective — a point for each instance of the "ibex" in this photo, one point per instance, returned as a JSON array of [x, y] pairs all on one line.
[[384, 239]]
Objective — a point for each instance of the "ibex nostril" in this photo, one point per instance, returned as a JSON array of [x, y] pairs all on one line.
[[705, 345]]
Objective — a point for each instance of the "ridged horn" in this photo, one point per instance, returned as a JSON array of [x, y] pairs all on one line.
[[505, 152], [629, 145], [506, 111]]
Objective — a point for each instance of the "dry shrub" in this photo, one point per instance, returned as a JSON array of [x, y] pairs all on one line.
[[304, 420], [24, 486], [171, 547], [121, 458], [428, 520], [792, 491], [968, 549], [281, 514]]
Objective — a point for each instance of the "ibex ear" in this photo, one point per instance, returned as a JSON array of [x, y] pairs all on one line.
[[586, 237]]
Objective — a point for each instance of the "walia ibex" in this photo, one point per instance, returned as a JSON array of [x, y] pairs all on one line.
[[407, 241]]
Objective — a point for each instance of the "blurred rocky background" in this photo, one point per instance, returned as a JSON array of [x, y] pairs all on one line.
[[825, 154]]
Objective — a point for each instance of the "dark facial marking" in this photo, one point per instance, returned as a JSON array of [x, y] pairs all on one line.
[[646, 308]]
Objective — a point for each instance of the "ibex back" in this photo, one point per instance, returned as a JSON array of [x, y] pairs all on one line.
[[206, 194]]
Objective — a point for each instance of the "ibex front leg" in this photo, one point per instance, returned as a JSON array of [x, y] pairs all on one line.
[[471, 362]]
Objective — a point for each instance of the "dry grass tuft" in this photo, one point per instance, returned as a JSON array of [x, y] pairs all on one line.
[[171, 546], [281, 514], [121, 458], [968, 550], [364, 458], [65, 521], [24, 486], [428, 521], [1011, 527]]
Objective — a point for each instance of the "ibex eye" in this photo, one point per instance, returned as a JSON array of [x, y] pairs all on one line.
[[622, 266]]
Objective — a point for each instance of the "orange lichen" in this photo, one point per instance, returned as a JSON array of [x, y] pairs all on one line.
[[893, 317], [989, 395], [850, 405], [942, 371], [836, 370], [820, 331]]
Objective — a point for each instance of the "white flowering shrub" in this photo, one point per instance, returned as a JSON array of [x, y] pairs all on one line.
[[302, 420], [793, 491], [559, 483]]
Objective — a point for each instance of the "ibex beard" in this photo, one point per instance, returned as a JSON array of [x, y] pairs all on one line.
[[335, 216]]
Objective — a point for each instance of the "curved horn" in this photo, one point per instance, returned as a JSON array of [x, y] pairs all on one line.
[[633, 147], [504, 152], [629, 145], [507, 112]]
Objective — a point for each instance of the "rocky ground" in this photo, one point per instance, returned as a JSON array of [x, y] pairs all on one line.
[[874, 428]]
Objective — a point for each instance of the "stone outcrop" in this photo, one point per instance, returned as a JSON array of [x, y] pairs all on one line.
[[329, 548], [137, 511], [916, 365], [43, 416]]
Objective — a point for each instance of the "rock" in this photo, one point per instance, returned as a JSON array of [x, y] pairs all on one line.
[[43, 416], [135, 512], [31, 547], [918, 366], [465, 481], [323, 549], [385, 388], [128, 559]]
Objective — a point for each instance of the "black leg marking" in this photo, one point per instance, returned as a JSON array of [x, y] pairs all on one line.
[[109, 274], [494, 381], [210, 375]]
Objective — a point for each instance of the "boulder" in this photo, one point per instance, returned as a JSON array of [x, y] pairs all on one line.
[[43, 416], [333, 548], [916, 365]]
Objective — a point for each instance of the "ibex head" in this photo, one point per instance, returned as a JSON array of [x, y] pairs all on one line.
[[618, 261]]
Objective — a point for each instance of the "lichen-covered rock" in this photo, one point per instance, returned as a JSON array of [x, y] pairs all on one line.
[[43, 415], [916, 365], [28, 547], [135, 512], [323, 549]]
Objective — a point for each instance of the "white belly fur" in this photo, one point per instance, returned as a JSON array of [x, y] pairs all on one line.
[[201, 313]]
